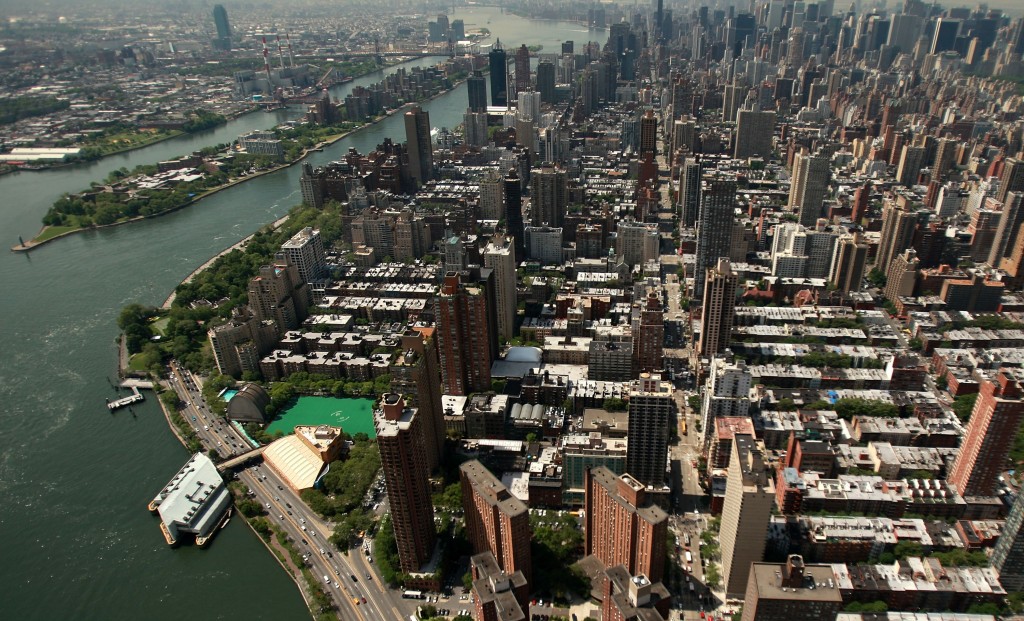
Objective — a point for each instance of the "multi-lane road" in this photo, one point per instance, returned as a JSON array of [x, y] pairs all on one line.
[[351, 580]]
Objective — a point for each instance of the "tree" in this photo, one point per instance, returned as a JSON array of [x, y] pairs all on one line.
[[712, 576], [614, 405], [963, 405], [907, 549], [849, 408]]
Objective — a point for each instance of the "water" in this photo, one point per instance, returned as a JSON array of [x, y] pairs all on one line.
[[75, 480]]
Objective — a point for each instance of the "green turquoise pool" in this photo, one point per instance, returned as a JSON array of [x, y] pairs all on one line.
[[227, 394], [352, 415]]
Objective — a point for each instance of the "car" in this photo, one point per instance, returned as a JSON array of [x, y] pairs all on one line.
[[329, 555], [305, 543], [280, 517], [322, 551], [353, 576], [364, 599], [289, 513], [193, 418], [280, 487], [369, 577], [355, 600], [268, 505]]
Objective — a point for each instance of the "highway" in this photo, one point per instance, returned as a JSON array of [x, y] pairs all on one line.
[[287, 511]]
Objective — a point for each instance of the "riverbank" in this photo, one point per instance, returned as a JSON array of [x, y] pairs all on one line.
[[36, 242], [235, 246]]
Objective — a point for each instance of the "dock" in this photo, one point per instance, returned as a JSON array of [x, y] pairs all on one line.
[[135, 397]]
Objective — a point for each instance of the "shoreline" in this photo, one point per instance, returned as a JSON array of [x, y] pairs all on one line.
[[31, 245]]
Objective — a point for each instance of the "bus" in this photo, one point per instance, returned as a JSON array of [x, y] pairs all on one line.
[[412, 594]]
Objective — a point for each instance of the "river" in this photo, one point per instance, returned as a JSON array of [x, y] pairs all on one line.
[[75, 479]]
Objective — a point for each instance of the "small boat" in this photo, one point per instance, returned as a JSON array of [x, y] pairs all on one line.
[[227, 518]]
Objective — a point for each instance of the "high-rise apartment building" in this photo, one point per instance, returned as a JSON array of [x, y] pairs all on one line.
[[792, 591], [727, 394], [807, 190], [994, 422], [754, 130], [549, 195], [1008, 555], [498, 595], [496, 521], [500, 256], [648, 133], [649, 335], [911, 162], [492, 196], [415, 372], [476, 87], [404, 462], [463, 336], [637, 242], [421, 149], [632, 598], [897, 233], [718, 309], [306, 252], [498, 63], [621, 526], [278, 293], [714, 232], [475, 132], [650, 408], [849, 263], [749, 495], [1012, 179]]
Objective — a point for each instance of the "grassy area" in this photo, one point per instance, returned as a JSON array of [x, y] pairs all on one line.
[[50, 232], [138, 363], [160, 325], [122, 141]]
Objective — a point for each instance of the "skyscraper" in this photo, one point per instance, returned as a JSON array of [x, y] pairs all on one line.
[[496, 521], [749, 496], [754, 130], [476, 86], [718, 309], [994, 422], [278, 294], [549, 196], [648, 133], [650, 407], [404, 462], [808, 187], [220, 19], [714, 231], [1008, 555], [421, 150], [498, 64], [621, 526], [689, 192], [522, 68], [546, 81], [500, 256], [463, 337], [514, 211]]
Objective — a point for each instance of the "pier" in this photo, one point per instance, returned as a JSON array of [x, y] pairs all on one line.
[[135, 397]]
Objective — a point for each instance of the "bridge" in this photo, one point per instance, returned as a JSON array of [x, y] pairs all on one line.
[[238, 460]]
